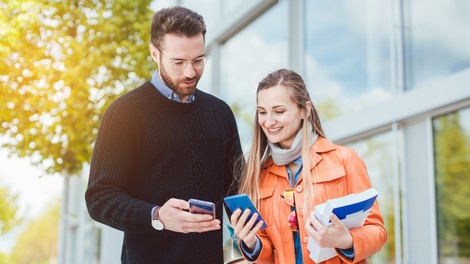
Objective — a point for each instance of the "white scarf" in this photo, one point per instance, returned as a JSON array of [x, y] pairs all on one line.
[[285, 156]]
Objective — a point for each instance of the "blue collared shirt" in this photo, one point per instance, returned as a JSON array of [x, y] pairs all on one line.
[[166, 91]]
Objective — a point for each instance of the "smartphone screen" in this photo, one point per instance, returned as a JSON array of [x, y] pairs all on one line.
[[242, 201], [201, 207]]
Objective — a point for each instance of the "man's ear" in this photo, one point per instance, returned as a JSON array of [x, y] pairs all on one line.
[[154, 53]]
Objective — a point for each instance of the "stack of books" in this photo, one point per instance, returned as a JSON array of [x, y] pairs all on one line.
[[352, 209]]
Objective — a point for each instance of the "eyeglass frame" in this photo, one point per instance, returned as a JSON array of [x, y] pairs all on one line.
[[184, 63]]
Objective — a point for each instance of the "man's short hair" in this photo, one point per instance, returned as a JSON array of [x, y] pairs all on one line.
[[178, 20]]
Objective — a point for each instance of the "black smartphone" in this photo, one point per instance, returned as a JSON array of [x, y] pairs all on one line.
[[201, 207], [243, 202]]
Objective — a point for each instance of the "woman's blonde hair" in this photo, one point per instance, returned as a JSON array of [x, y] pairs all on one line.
[[251, 171]]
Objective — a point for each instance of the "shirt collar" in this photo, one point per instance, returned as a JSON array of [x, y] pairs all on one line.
[[166, 91]]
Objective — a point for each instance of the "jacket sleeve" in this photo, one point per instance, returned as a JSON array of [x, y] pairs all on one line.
[[267, 251], [369, 238]]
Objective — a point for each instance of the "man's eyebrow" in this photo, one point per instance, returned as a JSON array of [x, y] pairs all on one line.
[[178, 59]]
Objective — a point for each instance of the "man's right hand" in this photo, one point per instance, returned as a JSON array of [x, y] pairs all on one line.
[[175, 215]]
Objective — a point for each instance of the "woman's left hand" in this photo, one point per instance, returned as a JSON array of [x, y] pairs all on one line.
[[336, 235]]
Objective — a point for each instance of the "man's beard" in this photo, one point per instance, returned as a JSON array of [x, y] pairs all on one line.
[[173, 84]]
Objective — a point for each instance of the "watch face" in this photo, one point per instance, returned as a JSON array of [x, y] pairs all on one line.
[[157, 224]]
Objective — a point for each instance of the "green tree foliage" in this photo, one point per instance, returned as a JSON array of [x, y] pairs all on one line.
[[452, 155], [328, 108], [3, 258], [8, 210], [38, 243], [61, 64]]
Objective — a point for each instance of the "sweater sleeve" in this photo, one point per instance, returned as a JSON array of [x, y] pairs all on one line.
[[115, 152]]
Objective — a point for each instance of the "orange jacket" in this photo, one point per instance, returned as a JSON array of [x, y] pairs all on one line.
[[339, 171]]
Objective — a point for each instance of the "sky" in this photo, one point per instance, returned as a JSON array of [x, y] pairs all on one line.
[[35, 193]]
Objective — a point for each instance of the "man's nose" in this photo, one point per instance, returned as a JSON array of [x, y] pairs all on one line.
[[189, 70]]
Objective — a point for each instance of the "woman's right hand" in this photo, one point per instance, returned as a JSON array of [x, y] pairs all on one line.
[[246, 230]]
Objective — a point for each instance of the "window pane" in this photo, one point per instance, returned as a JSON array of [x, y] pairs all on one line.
[[231, 6], [92, 245], [452, 168], [249, 56], [377, 154], [438, 40], [209, 9], [347, 54]]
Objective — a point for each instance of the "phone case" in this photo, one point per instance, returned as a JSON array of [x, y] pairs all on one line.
[[243, 202], [201, 207]]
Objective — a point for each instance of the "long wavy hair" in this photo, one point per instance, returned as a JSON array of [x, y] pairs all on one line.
[[259, 152]]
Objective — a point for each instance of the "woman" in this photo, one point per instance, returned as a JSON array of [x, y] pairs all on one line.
[[288, 138]]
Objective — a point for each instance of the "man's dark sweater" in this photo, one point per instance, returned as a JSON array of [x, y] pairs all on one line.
[[150, 149]]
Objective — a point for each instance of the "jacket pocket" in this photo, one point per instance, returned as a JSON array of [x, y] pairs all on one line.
[[329, 183], [328, 174], [267, 203]]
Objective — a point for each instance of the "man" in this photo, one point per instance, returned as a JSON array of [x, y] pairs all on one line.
[[162, 144]]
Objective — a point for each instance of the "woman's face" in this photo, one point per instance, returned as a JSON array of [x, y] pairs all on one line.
[[279, 116]]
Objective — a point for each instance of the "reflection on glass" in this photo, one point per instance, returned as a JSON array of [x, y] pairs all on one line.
[[377, 154], [209, 9], [249, 56], [442, 51], [231, 6], [92, 245], [452, 169], [347, 54]]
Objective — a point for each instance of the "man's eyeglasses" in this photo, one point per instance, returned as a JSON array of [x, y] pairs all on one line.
[[197, 64], [292, 222]]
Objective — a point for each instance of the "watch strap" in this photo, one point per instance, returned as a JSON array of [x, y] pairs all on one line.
[[156, 222]]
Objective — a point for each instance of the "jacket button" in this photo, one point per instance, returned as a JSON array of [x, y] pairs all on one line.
[[305, 240], [299, 188]]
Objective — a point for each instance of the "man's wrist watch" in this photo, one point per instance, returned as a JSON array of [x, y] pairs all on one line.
[[156, 223]]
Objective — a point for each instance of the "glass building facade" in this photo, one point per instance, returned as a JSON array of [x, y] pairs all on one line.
[[389, 78]]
